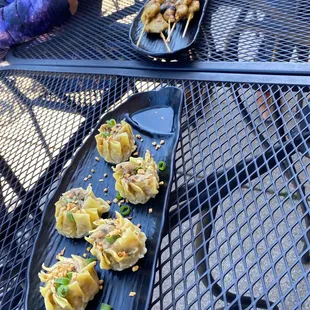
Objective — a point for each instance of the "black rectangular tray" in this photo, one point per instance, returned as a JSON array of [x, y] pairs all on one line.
[[152, 44], [117, 285]]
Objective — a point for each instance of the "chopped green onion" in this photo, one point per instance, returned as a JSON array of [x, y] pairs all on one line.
[[69, 275], [106, 134], [136, 169], [90, 260], [162, 166], [112, 239], [105, 307], [70, 216], [62, 291], [111, 122], [62, 281], [125, 210], [118, 196]]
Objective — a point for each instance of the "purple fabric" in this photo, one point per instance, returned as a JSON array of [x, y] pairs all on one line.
[[24, 19], [5, 39]]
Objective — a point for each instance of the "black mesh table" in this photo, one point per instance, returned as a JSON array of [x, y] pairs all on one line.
[[236, 233], [236, 35]]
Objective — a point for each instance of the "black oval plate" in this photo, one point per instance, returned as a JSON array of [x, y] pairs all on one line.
[[49, 243], [152, 44]]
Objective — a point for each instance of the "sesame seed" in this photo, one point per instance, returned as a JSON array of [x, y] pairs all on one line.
[[89, 176], [132, 294], [88, 249], [129, 218], [154, 143], [115, 200], [157, 147], [101, 180], [100, 281], [126, 200], [100, 287], [138, 136], [84, 255], [108, 202], [150, 210], [93, 170], [161, 183], [122, 201], [135, 268], [141, 140], [105, 175], [85, 179], [162, 142], [138, 225], [135, 154], [106, 189], [97, 158]]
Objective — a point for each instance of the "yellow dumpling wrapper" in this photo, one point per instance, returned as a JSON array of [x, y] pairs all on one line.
[[77, 210], [82, 287], [117, 243], [137, 179], [115, 142]]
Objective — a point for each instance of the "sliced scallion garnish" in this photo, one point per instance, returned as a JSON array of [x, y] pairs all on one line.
[[105, 307], [111, 123], [70, 216], [162, 166], [125, 210], [112, 239], [118, 196], [90, 260], [106, 134], [62, 291]]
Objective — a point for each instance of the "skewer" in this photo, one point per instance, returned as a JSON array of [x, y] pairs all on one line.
[[169, 26], [190, 17], [170, 33], [164, 39], [141, 35]]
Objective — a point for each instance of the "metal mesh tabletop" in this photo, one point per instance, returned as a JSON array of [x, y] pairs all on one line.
[[232, 31], [236, 233]]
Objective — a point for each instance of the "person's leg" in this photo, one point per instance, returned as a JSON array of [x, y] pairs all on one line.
[[265, 104]]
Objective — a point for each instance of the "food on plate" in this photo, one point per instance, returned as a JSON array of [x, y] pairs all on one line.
[[137, 179], [157, 17], [192, 9], [69, 284], [117, 243], [22, 20], [77, 210], [153, 21], [115, 142]]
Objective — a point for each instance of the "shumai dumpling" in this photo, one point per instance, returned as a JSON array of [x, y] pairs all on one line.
[[115, 142], [69, 284], [117, 243], [137, 179], [77, 210]]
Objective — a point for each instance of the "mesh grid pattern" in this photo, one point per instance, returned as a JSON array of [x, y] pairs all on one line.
[[235, 236], [260, 31]]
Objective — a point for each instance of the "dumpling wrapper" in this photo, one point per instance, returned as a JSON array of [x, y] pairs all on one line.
[[115, 144], [76, 217], [137, 180], [125, 251], [83, 286]]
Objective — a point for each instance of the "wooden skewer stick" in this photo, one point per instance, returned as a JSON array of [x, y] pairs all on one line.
[[141, 35], [169, 26], [164, 39], [190, 17], [170, 33]]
